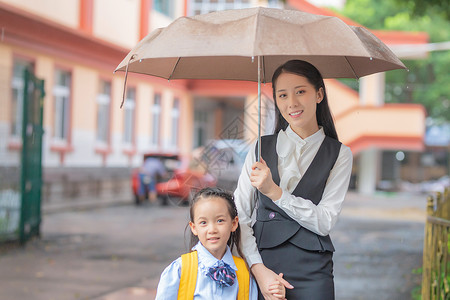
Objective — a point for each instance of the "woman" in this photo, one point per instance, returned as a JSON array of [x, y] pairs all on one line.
[[299, 185]]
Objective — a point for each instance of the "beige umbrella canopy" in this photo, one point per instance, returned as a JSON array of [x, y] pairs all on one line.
[[249, 44], [228, 44]]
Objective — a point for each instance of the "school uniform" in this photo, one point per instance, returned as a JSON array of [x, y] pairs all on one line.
[[290, 235], [206, 288]]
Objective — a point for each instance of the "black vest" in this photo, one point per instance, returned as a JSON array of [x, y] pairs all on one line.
[[273, 226]]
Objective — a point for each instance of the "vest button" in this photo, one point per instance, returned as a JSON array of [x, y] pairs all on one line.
[[271, 215]]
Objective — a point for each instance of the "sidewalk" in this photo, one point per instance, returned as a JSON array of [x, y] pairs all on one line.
[[380, 206], [86, 203], [146, 289], [119, 251]]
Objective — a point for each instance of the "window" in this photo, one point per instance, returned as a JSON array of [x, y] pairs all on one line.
[[165, 7], [17, 86], [200, 128], [156, 116], [61, 93], [175, 119], [129, 107], [197, 7], [103, 103]]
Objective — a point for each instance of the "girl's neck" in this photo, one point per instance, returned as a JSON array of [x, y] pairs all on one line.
[[218, 255]]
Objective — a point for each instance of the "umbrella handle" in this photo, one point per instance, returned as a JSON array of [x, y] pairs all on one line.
[[258, 158]]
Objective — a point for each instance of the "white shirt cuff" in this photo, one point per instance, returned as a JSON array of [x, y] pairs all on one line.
[[284, 199], [254, 259]]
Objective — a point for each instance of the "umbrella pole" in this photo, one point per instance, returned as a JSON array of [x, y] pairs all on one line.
[[259, 109]]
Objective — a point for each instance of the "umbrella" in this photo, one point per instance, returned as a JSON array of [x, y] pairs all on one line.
[[249, 44]]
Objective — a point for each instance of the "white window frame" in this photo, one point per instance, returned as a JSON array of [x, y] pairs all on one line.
[[175, 122], [205, 6], [103, 113], [61, 95], [17, 86], [155, 111], [129, 113]]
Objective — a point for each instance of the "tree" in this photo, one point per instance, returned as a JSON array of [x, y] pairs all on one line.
[[428, 80], [423, 7]]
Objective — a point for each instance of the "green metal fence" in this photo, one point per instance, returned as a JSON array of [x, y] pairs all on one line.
[[20, 186]]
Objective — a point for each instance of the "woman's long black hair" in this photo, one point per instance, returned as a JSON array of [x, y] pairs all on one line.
[[235, 237], [307, 70]]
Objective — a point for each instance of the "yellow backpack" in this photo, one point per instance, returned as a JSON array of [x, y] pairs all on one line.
[[188, 280]]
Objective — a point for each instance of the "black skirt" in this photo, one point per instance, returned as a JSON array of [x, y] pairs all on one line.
[[310, 272]]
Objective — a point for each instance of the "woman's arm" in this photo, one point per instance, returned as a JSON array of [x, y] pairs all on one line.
[[265, 278], [245, 203]]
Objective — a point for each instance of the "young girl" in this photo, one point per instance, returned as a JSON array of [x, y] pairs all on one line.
[[211, 271], [300, 184]]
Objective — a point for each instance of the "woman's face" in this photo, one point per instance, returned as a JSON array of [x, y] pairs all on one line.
[[297, 101]]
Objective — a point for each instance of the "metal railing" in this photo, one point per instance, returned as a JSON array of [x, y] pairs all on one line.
[[436, 252]]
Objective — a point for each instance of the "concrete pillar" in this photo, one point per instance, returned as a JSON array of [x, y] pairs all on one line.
[[187, 124], [371, 90], [368, 171], [371, 93]]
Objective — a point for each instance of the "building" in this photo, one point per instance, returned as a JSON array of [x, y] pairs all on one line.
[[75, 45]]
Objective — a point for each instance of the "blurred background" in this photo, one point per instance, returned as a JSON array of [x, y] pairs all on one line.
[[66, 144]]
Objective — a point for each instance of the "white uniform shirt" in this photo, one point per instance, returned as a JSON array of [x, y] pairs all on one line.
[[294, 157], [205, 287]]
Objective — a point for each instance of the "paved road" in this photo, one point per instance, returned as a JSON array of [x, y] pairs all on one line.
[[119, 252]]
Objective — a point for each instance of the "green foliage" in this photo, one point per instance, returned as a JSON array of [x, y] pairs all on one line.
[[416, 293], [428, 80], [422, 7]]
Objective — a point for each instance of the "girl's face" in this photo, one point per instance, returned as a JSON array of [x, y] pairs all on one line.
[[297, 101], [213, 224]]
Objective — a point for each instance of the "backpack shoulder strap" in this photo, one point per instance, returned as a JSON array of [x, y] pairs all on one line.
[[243, 277], [188, 280]]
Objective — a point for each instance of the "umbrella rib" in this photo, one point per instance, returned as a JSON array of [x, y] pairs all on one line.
[[174, 67], [351, 67]]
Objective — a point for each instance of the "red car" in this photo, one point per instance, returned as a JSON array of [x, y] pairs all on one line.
[[182, 181]]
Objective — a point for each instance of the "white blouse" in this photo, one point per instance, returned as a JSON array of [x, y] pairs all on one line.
[[294, 157]]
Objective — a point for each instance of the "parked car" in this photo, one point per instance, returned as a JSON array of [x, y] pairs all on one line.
[[183, 179], [225, 159]]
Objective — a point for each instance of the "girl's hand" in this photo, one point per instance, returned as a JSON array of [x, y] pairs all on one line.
[[277, 289], [261, 178], [265, 278]]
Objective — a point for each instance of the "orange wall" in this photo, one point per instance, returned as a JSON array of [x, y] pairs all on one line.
[[117, 21], [65, 12]]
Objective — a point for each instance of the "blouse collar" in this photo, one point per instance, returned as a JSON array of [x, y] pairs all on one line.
[[288, 141], [208, 260]]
